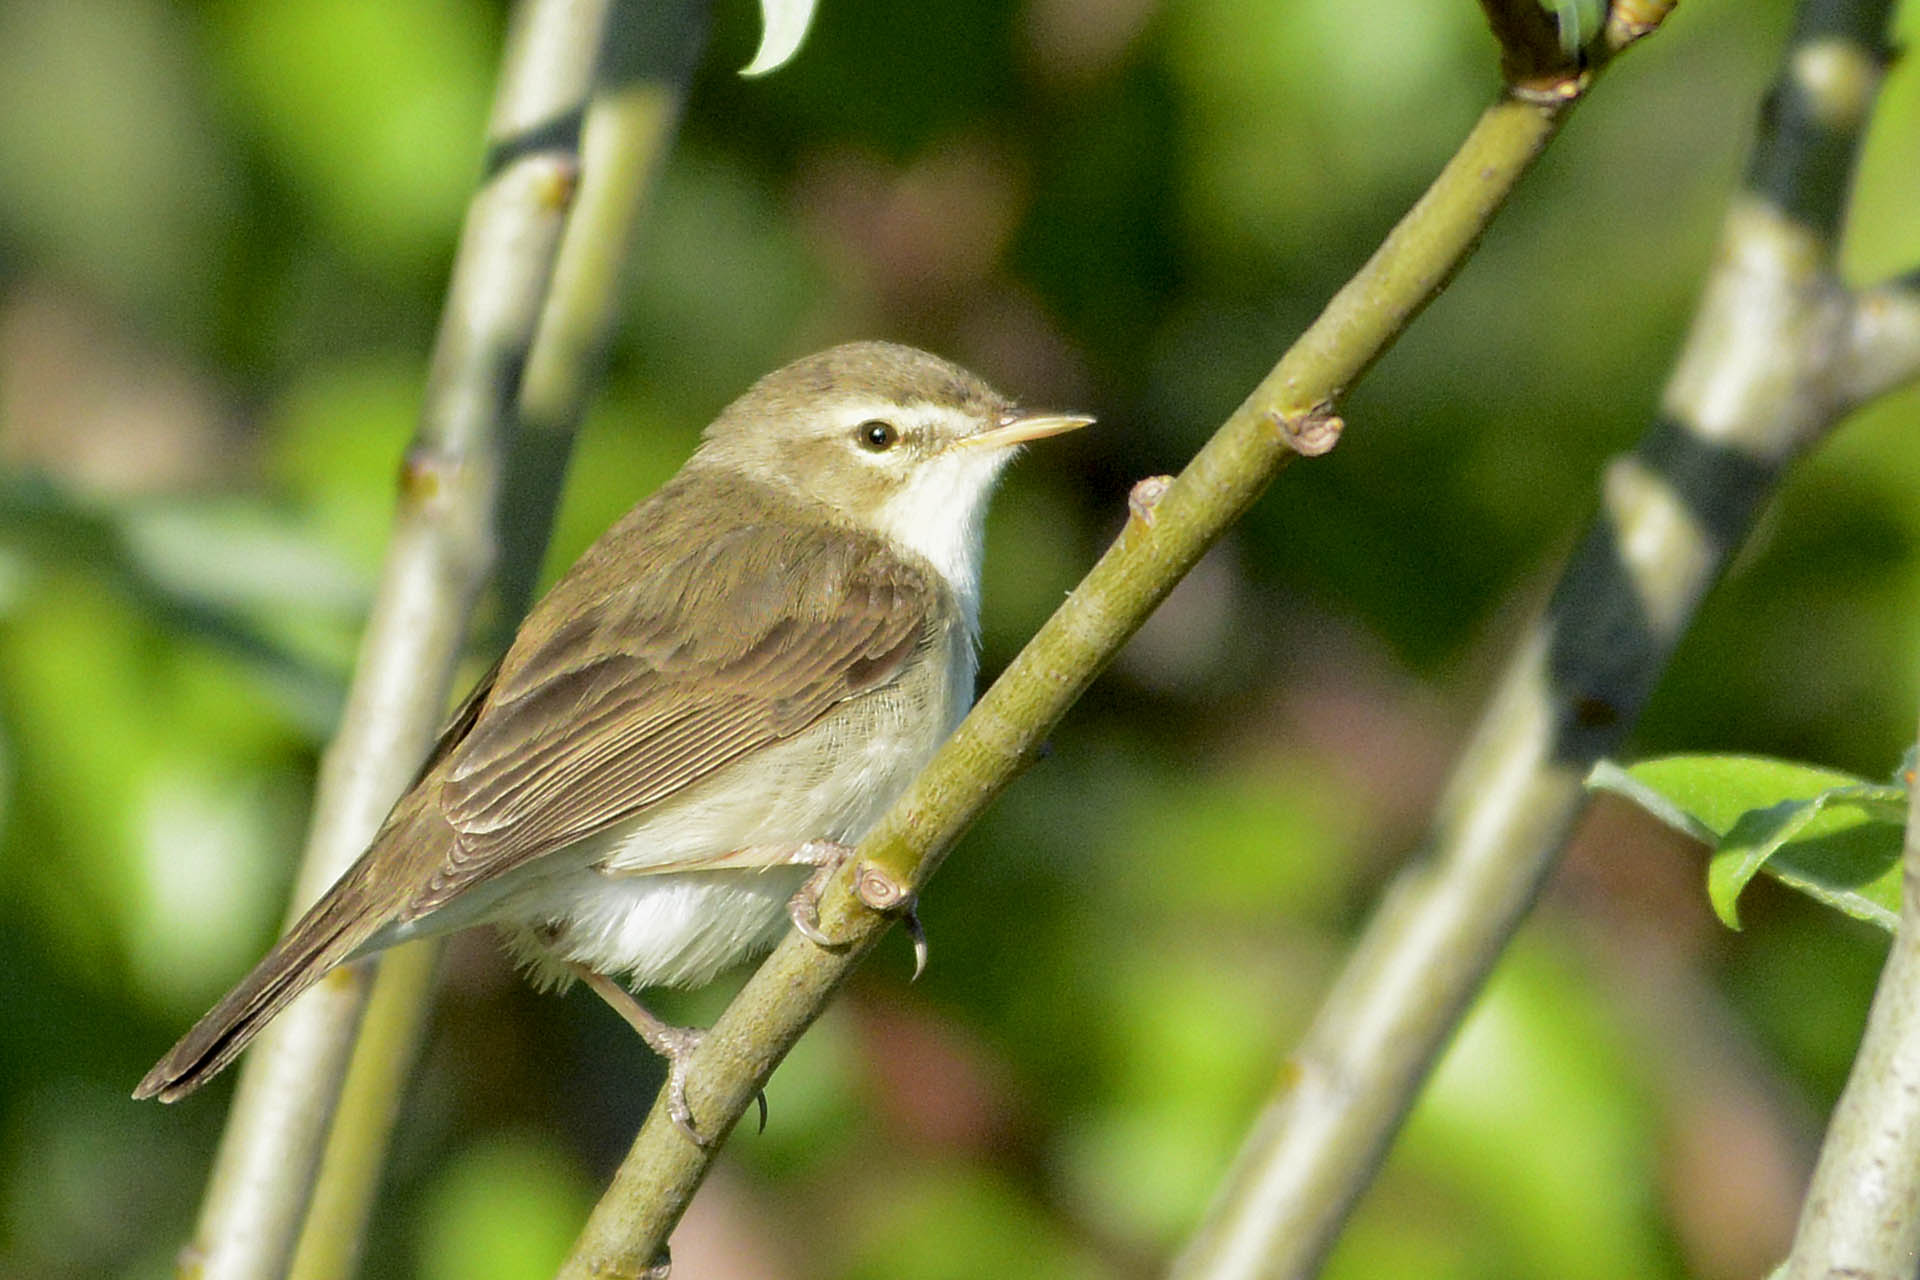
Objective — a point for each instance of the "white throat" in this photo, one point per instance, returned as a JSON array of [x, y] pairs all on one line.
[[938, 514]]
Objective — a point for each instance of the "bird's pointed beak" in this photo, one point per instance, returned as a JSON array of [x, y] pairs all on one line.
[[1017, 426]]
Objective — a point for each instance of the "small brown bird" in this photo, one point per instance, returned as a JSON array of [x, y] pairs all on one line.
[[711, 706]]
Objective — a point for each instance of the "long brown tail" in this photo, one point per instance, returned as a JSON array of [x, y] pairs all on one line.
[[323, 937]]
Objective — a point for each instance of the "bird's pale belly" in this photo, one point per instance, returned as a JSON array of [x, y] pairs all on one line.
[[617, 903]]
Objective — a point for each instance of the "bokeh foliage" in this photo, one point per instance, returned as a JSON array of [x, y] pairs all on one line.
[[224, 227]]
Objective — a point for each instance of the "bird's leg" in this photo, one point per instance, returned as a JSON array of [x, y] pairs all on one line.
[[675, 1044]]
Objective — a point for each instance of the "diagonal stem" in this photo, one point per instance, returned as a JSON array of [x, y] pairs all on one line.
[[1291, 411]]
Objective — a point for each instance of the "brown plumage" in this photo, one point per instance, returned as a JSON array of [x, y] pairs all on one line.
[[648, 705]]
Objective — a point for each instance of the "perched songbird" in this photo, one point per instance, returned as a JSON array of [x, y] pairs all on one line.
[[718, 700]]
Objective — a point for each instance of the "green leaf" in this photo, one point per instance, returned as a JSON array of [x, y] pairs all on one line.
[[786, 26], [1832, 836], [1675, 807]]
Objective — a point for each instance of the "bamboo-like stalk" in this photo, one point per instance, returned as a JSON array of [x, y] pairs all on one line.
[[441, 550], [1290, 412], [1767, 370], [334, 1228], [643, 67], [646, 64]]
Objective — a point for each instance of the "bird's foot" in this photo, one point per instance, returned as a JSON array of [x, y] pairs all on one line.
[[675, 1044], [827, 857], [683, 1041]]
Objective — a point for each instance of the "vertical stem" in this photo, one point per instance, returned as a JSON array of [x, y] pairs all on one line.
[[645, 62], [335, 1228], [442, 547]]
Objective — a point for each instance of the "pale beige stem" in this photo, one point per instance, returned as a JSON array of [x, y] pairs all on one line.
[[640, 79], [441, 550], [1761, 378]]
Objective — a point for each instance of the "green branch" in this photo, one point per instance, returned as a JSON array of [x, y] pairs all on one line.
[[1291, 411]]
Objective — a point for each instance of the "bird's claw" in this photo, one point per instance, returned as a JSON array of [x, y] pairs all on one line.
[[677, 1109], [675, 1044], [882, 895], [881, 890], [804, 911], [910, 921], [803, 908]]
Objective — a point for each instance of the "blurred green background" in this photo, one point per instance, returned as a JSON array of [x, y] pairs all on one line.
[[224, 231]]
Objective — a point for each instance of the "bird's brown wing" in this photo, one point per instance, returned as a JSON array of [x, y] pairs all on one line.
[[608, 700], [624, 688]]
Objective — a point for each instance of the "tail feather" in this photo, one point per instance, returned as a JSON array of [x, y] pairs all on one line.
[[324, 936]]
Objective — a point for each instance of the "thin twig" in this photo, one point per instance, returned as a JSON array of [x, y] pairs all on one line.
[[1761, 378], [335, 1226], [441, 549], [1293, 410]]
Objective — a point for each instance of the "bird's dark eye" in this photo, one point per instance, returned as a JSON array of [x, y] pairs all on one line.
[[877, 435]]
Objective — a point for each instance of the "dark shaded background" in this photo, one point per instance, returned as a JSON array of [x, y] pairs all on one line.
[[224, 230]]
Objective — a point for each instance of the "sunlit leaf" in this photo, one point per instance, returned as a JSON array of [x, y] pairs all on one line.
[[1832, 836], [786, 26]]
